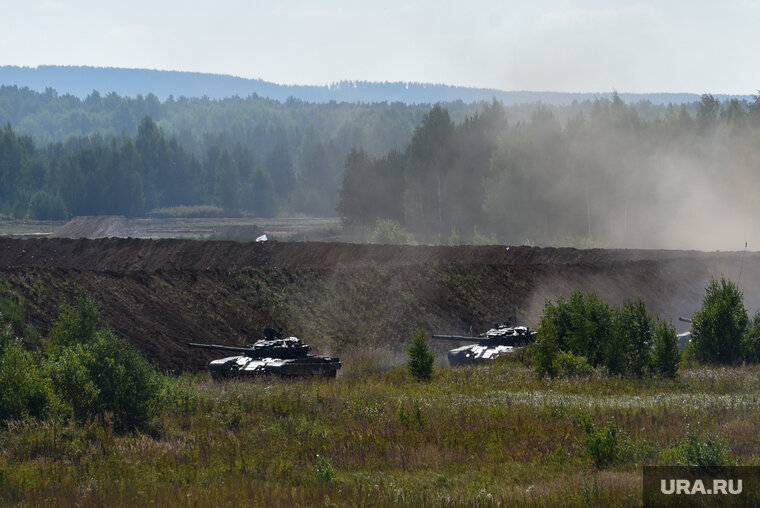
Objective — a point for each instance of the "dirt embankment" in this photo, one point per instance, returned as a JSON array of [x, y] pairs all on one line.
[[161, 294]]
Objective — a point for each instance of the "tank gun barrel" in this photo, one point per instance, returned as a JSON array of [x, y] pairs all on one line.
[[219, 347], [461, 338], [258, 350]]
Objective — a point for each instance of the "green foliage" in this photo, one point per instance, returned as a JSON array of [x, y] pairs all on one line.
[[23, 388], [13, 312], [72, 381], [718, 328], [413, 418], [491, 434], [76, 324], [606, 445], [569, 365], [323, 471], [700, 450], [106, 376], [625, 340], [545, 350], [751, 340], [665, 354], [634, 329], [94, 372], [388, 231], [43, 206], [580, 324], [421, 357]]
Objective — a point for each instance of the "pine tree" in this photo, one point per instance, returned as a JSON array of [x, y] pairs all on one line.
[[421, 357]]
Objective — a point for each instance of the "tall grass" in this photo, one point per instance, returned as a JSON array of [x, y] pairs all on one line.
[[479, 435]]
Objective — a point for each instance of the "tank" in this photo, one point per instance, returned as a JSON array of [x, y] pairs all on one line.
[[500, 340], [270, 356]]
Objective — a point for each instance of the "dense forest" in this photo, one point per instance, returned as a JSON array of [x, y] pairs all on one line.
[[606, 171], [602, 177]]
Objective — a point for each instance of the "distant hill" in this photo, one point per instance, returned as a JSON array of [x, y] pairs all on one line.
[[81, 81]]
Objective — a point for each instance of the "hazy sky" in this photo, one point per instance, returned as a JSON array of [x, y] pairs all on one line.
[[559, 45]]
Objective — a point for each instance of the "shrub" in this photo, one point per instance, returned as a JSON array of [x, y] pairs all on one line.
[[323, 471], [390, 232], [75, 325], [545, 350], [23, 388], [421, 357], [413, 418], [580, 324], [633, 333], [699, 450], [568, 364], [665, 355], [94, 372], [605, 445], [751, 340], [13, 311], [623, 339], [718, 327]]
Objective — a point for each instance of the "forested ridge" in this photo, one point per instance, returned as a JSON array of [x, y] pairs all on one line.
[[604, 172], [80, 81], [605, 176]]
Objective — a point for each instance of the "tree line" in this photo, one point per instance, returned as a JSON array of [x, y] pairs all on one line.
[[124, 175], [604, 171], [605, 175]]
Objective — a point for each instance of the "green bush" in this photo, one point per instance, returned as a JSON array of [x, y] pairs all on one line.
[[13, 311], [23, 388], [633, 330], [625, 340], [580, 323], [94, 372], [568, 364], [421, 357], [75, 325], [389, 231], [665, 355], [605, 445], [323, 471], [545, 350], [751, 340], [718, 328], [413, 418], [700, 450]]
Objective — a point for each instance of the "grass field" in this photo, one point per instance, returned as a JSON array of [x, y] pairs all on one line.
[[282, 228], [484, 435]]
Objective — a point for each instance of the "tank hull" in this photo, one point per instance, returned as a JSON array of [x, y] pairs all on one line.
[[475, 354], [246, 367]]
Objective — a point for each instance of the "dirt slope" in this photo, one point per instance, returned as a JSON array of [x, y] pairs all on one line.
[[161, 294]]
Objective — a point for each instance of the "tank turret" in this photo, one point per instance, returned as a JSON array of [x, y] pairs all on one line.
[[500, 340], [272, 355]]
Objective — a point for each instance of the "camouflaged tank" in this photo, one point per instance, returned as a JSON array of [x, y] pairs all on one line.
[[500, 340], [271, 356]]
